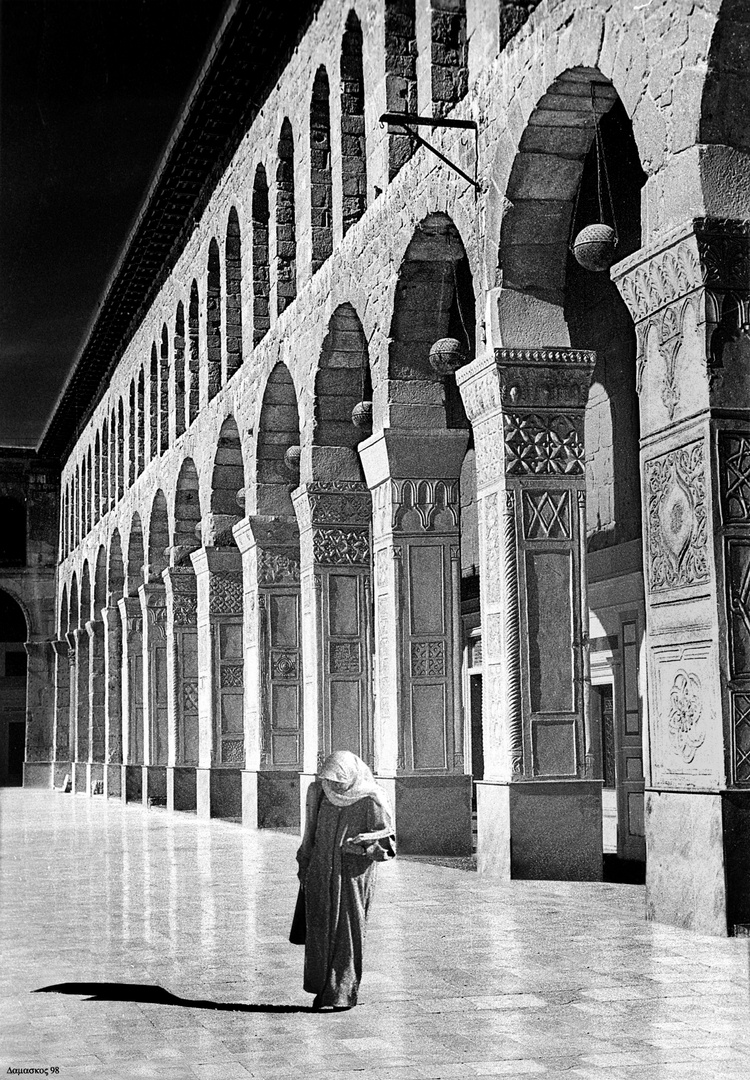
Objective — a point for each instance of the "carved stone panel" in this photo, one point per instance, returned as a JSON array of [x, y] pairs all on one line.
[[685, 720], [342, 547], [738, 606], [741, 733], [546, 515], [677, 519], [225, 593], [279, 567], [539, 444], [427, 658], [734, 457]]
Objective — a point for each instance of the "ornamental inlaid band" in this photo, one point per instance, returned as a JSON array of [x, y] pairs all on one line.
[[677, 523]]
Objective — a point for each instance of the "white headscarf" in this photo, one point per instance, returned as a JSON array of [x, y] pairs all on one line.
[[344, 767]]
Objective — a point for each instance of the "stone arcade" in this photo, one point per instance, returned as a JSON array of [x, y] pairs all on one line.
[[523, 587]]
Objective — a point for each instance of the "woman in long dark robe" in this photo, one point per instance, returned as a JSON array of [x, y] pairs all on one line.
[[348, 829]]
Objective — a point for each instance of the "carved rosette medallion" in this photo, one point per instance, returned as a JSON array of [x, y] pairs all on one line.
[[677, 519], [233, 752], [225, 595], [284, 665], [686, 727]]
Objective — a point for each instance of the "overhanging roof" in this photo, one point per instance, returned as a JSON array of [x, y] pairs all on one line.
[[251, 49]]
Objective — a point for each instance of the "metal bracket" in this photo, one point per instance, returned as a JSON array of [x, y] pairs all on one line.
[[409, 121]]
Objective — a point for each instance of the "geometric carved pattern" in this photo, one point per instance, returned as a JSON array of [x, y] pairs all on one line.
[[546, 515], [345, 658], [275, 567], [284, 665], [543, 445], [735, 475], [190, 696], [427, 658], [233, 751], [185, 610], [337, 546], [231, 675], [425, 504], [741, 717], [686, 714], [677, 526], [226, 594]]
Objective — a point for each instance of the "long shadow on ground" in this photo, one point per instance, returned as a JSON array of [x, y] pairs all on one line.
[[143, 993]]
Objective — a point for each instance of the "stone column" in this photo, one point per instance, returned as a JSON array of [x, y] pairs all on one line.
[[81, 702], [182, 685], [220, 682], [418, 734], [40, 715], [132, 698], [539, 806], [72, 641], [155, 740], [61, 736], [112, 700], [689, 296], [272, 670], [96, 703], [334, 519]]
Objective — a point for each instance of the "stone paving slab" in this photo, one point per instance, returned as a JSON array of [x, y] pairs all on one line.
[[465, 977]]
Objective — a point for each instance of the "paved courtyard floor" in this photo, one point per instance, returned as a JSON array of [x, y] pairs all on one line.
[[464, 976]]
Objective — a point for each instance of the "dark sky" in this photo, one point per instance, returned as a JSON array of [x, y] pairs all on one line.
[[89, 93]]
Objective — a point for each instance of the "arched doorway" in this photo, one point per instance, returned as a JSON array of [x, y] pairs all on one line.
[[13, 634]]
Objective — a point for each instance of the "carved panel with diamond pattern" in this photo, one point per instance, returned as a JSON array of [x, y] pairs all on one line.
[[677, 524], [546, 515]]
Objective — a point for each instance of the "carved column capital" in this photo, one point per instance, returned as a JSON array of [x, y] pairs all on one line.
[[694, 280]]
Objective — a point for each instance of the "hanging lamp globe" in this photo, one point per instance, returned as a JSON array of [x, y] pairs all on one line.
[[447, 355], [292, 458], [594, 247], [362, 414]]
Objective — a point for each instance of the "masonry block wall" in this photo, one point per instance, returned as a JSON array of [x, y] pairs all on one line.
[[331, 255]]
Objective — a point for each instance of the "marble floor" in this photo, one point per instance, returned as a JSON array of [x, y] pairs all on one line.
[[464, 976]]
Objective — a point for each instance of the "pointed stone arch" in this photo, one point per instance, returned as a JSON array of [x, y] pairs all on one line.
[[434, 299], [321, 180], [261, 279], [64, 612], [73, 610], [193, 383], [233, 272], [100, 583], [158, 537], [279, 430], [227, 479], [353, 140], [136, 555], [286, 226], [115, 569], [187, 513], [343, 379], [84, 614], [213, 319]]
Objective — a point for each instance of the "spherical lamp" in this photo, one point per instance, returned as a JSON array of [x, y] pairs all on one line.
[[594, 247], [447, 355], [362, 414], [292, 458]]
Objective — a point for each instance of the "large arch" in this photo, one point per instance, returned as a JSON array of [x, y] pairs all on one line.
[[73, 610], [187, 513], [278, 431], [434, 299], [227, 479], [115, 569], [343, 379], [136, 555], [62, 624], [726, 90], [99, 583], [158, 537]]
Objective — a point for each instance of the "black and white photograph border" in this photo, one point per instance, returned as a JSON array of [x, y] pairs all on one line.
[[373, 454]]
